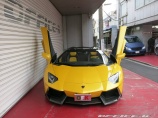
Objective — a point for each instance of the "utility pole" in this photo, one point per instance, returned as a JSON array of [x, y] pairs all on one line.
[[100, 25]]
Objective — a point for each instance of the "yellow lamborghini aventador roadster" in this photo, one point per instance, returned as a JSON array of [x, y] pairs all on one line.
[[83, 75]]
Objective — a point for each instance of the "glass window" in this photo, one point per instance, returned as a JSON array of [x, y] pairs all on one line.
[[133, 39], [139, 3], [123, 9], [148, 1], [83, 58]]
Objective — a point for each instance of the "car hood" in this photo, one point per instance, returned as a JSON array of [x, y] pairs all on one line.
[[92, 78], [86, 74], [134, 45]]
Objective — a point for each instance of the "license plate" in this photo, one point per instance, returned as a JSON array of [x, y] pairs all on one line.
[[82, 97], [137, 52]]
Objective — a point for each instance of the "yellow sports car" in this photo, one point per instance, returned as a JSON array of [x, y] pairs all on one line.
[[83, 75]]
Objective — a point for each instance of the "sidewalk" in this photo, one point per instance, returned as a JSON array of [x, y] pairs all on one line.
[[148, 59], [140, 99]]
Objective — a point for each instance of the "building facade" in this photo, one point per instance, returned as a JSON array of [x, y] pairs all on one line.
[[110, 23], [21, 63], [141, 18]]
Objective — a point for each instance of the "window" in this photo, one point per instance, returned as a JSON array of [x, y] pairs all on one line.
[[148, 1], [132, 39], [123, 9], [141, 3]]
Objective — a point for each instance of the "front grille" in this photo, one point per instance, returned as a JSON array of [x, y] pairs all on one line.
[[56, 96], [109, 97], [137, 48]]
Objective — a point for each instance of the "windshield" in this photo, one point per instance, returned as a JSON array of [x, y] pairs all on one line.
[[83, 58], [132, 39]]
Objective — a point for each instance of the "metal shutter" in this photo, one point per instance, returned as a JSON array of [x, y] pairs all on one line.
[[21, 64]]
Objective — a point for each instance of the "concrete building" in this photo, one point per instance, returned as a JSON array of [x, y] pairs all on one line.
[[110, 28], [21, 63], [110, 23], [141, 17], [111, 20]]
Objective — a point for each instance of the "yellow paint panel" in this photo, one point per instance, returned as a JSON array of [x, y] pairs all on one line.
[[45, 41], [121, 40]]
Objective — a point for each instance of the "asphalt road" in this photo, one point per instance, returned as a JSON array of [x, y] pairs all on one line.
[[142, 69]]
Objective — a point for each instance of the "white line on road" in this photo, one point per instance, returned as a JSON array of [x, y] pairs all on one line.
[[144, 64]]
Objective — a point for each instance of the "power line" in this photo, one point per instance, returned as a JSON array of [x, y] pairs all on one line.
[[111, 17]]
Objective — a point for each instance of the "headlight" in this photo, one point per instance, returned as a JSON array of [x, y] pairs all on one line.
[[52, 78], [143, 47], [128, 48], [114, 78]]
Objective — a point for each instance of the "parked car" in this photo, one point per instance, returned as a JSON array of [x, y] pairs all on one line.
[[82, 75], [134, 46]]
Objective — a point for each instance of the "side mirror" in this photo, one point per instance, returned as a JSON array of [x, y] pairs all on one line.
[[119, 57], [46, 56]]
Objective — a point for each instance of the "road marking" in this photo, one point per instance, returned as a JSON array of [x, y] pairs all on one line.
[[49, 113], [141, 63]]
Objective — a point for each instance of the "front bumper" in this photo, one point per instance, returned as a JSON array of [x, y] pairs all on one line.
[[106, 98], [135, 52]]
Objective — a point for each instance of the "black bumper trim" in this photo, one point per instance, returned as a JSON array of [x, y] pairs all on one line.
[[107, 97], [70, 100], [55, 96], [110, 97]]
